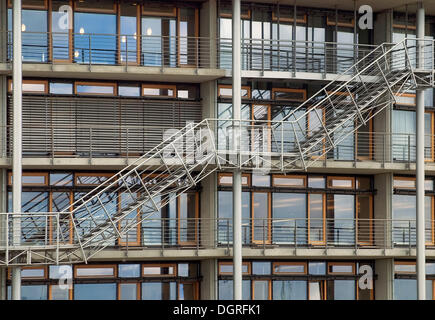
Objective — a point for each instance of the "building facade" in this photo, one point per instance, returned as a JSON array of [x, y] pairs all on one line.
[[104, 82]]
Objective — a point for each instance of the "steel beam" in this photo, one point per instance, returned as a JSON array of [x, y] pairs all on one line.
[[17, 137], [421, 254]]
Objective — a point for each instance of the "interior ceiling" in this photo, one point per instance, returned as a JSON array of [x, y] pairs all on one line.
[[377, 5]]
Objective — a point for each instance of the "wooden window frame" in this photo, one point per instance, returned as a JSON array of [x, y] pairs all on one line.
[[269, 286], [229, 86], [90, 174], [405, 263], [30, 174], [94, 10], [226, 174], [27, 6], [432, 241], [322, 288], [52, 221], [96, 266], [195, 288], [407, 95], [138, 285], [70, 36], [283, 176], [182, 243], [230, 263], [25, 81], [331, 178], [158, 86], [303, 91], [292, 263], [268, 219], [291, 20], [45, 277], [370, 222], [138, 233], [404, 26], [246, 16], [138, 36], [330, 22], [403, 179], [331, 264], [97, 84], [324, 231], [159, 265], [144, 12], [50, 293]]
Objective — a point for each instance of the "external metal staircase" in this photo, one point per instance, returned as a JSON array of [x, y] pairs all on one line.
[[304, 135]]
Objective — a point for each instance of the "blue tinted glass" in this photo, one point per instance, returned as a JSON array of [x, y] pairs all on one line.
[[159, 291], [226, 289], [289, 290], [128, 291], [344, 289], [405, 289], [34, 36], [183, 269], [34, 292], [61, 88], [95, 291], [129, 270], [261, 268], [95, 38], [317, 268], [129, 91]]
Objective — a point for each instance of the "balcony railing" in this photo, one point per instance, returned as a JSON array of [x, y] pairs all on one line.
[[55, 229], [194, 52], [115, 49], [295, 56]]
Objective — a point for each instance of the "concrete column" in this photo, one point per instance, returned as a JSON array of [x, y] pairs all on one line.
[[209, 279], [17, 152], [421, 254], [208, 30], [383, 184], [384, 283], [237, 175]]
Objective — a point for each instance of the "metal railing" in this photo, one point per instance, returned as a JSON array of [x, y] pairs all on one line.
[[294, 55], [99, 141], [53, 230], [116, 49]]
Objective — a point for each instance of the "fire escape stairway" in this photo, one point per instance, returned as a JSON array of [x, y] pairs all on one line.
[[97, 220]]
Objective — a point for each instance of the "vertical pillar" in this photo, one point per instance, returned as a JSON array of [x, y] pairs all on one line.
[[16, 161], [421, 255], [3, 101], [237, 176]]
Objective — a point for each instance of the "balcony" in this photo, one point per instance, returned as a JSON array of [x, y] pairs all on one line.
[[130, 53], [184, 59]]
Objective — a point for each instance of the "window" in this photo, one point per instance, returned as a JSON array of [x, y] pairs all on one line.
[[341, 182], [31, 86], [159, 290], [95, 6], [95, 271], [289, 268], [150, 270], [226, 268], [32, 179], [226, 179], [167, 91], [83, 88], [297, 95], [61, 88], [129, 271], [289, 181], [341, 268], [95, 291], [91, 179], [128, 291], [226, 91]]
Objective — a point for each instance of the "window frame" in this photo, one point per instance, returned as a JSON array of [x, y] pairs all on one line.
[[27, 6], [158, 86], [97, 84], [226, 174], [94, 10], [290, 263], [230, 263], [96, 266], [324, 230], [127, 243], [283, 176], [303, 91], [159, 265], [91, 174], [50, 293], [291, 20], [31, 81], [268, 219], [52, 221], [138, 288], [331, 178], [31, 174], [182, 243], [333, 263], [229, 86]]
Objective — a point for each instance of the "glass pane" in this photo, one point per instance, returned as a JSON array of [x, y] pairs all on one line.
[[404, 209], [60, 272], [186, 291], [61, 179], [260, 181], [317, 268], [34, 292], [316, 182], [261, 268], [226, 289], [341, 290], [59, 292], [290, 290], [289, 218], [95, 272], [156, 270], [128, 291], [95, 291], [316, 290], [289, 268], [405, 289], [159, 291], [317, 221], [261, 216], [341, 215], [129, 270], [34, 36], [187, 217], [95, 89], [127, 91], [33, 273], [261, 290]]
